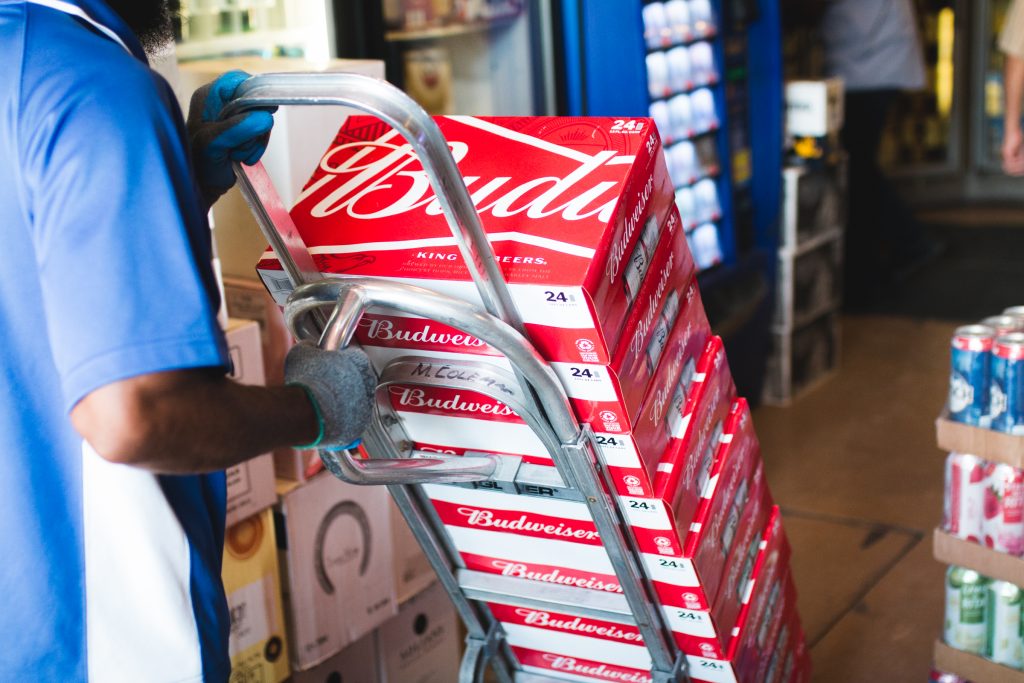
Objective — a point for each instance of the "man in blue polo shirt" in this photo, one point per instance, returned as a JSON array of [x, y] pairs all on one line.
[[112, 362]]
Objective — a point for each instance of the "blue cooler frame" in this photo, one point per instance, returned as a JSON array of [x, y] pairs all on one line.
[[603, 73]]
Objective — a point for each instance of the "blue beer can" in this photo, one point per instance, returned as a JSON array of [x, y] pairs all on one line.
[[969, 374], [1006, 399]]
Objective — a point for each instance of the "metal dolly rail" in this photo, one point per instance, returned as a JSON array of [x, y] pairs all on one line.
[[532, 390]]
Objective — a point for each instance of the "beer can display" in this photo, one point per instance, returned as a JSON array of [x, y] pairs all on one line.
[[969, 374], [1003, 645], [966, 625], [1006, 399], [964, 499], [1003, 521]]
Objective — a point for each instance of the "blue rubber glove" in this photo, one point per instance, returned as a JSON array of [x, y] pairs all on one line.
[[216, 143]]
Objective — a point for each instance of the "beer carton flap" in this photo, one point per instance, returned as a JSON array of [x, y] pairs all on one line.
[[949, 549], [987, 444], [556, 195]]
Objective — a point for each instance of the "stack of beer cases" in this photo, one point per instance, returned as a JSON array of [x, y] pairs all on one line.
[[581, 217]]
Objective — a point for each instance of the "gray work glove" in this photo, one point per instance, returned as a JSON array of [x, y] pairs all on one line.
[[340, 384]]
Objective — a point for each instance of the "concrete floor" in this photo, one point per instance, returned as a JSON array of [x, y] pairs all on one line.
[[854, 466]]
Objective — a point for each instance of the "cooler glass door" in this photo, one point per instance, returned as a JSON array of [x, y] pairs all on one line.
[[265, 28], [925, 131], [474, 57], [987, 86]]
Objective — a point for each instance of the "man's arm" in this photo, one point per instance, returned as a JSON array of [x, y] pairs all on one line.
[[1013, 137], [197, 420]]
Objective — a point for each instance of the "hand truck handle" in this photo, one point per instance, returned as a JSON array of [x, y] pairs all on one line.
[[351, 297], [394, 107]]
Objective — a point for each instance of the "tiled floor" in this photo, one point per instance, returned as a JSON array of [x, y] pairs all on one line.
[[854, 465]]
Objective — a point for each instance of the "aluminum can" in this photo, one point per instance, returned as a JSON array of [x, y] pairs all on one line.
[[680, 71], [677, 16], [656, 30], [1015, 311], [1003, 645], [964, 499], [1006, 394], [943, 677], [970, 359], [966, 624], [657, 75], [1003, 521], [1004, 324]]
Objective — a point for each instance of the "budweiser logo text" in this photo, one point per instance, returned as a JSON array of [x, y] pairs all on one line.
[[577, 625], [386, 330], [362, 185], [489, 520], [522, 571], [417, 398], [570, 664], [632, 220]]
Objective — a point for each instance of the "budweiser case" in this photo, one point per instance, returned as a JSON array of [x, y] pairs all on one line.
[[454, 422], [684, 468], [565, 202], [584, 649], [596, 392]]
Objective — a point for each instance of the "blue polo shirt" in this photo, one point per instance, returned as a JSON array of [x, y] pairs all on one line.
[[107, 573]]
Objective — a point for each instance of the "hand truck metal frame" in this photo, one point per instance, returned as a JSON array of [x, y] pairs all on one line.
[[532, 390]]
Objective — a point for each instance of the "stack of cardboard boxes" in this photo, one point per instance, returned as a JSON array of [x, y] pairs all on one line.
[[582, 219], [317, 571]]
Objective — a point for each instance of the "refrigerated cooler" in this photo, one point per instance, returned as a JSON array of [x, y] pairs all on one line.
[[709, 72], [479, 57]]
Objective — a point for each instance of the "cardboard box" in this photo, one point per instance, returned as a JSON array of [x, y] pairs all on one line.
[[338, 562], [949, 549], [257, 643], [987, 444], [421, 644], [973, 667], [565, 202], [814, 109], [413, 573], [357, 663], [248, 299], [251, 483]]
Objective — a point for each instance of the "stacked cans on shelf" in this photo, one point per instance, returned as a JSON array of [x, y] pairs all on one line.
[[581, 217], [984, 617], [682, 72], [986, 382], [984, 503]]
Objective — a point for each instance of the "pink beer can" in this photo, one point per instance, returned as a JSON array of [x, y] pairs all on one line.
[[964, 496], [1003, 521]]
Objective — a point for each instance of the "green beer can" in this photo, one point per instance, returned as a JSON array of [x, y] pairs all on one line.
[[967, 597], [1003, 644]]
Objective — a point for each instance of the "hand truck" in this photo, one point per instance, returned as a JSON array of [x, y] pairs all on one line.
[[532, 390]]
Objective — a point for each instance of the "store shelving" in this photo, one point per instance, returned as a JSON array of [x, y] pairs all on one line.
[[948, 549]]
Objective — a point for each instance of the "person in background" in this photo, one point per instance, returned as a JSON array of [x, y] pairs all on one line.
[[117, 419], [1011, 42], [873, 45]]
